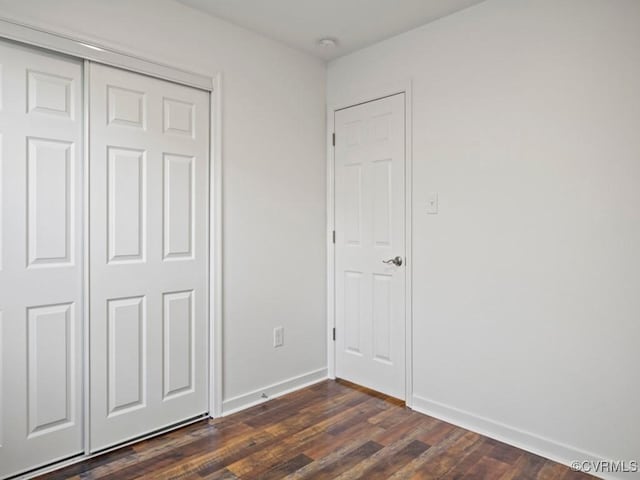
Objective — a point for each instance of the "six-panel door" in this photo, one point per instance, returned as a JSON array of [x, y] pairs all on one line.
[[370, 230], [40, 258], [149, 254]]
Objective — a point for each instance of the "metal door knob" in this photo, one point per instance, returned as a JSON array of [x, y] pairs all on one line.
[[397, 261]]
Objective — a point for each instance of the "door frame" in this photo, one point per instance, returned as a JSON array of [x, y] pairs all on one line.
[[365, 94], [87, 50]]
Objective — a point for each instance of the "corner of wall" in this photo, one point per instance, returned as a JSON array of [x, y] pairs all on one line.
[[269, 392]]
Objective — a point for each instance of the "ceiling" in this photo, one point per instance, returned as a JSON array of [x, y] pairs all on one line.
[[353, 23]]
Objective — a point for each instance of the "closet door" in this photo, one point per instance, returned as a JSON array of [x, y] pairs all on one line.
[[40, 258], [149, 243]]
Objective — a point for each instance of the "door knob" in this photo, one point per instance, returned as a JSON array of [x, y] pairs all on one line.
[[397, 261]]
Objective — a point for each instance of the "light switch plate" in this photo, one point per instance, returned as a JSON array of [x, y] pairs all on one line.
[[278, 337], [432, 204]]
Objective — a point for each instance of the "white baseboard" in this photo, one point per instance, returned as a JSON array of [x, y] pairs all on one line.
[[241, 402], [530, 442]]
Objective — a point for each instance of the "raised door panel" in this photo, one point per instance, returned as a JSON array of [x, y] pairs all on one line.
[[127, 359], [178, 206], [178, 331], [178, 117], [50, 194], [353, 312], [382, 202], [126, 204], [382, 315], [50, 94], [50, 352], [126, 107], [352, 204]]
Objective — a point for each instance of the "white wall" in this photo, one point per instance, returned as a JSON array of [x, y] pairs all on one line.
[[274, 171], [526, 121]]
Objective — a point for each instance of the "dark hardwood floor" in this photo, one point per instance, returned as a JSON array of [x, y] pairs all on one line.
[[332, 430]]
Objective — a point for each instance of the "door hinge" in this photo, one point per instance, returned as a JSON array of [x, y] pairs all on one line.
[[333, 140], [334, 236], [334, 334]]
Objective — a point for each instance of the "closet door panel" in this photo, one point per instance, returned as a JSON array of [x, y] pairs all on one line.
[[40, 258], [149, 254]]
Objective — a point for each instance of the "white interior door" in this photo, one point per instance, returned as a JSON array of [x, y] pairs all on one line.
[[149, 254], [40, 258], [370, 230]]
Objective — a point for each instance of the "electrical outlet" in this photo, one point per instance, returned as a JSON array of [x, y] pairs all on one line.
[[278, 337]]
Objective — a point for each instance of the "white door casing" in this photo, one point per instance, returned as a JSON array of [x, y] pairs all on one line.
[[149, 176], [40, 258], [369, 214]]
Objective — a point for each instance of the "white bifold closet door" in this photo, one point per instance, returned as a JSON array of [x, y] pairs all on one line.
[[148, 252], [40, 258]]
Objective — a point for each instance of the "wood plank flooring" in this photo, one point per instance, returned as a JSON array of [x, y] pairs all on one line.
[[332, 430]]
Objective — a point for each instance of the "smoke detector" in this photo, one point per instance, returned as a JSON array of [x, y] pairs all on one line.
[[328, 42]]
